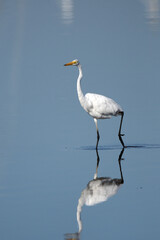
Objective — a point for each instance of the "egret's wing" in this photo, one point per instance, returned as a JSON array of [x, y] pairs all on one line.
[[99, 190], [102, 106]]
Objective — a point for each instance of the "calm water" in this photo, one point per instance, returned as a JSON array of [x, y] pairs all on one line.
[[51, 184]]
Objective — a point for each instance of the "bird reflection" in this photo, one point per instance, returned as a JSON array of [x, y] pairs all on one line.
[[152, 12], [67, 11], [98, 190]]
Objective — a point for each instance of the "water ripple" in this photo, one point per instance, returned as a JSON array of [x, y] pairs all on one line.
[[116, 147]]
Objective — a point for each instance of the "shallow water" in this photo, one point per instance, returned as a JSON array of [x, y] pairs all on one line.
[[48, 154]]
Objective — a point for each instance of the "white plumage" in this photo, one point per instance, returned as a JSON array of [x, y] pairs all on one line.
[[97, 106]]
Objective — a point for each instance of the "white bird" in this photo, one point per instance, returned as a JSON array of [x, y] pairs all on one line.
[[97, 106]]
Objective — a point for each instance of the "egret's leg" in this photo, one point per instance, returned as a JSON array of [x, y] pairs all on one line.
[[98, 136], [120, 134], [98, 160], [119, 161]]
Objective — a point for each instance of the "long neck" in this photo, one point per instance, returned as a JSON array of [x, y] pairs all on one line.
[[81, 202], [79, 90]]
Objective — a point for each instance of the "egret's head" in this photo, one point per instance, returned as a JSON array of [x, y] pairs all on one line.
[[73, 63]]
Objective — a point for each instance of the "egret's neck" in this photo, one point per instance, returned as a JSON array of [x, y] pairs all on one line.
[[79, 90], [79, 210]]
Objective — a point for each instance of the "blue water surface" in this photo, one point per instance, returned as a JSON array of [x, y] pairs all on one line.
[[51, 184]]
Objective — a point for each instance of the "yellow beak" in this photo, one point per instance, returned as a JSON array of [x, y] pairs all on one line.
[[68, 64]]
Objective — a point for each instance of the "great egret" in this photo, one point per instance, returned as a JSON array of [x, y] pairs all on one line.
[[97, 106]]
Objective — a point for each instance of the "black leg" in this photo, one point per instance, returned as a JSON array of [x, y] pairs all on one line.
[[119, 161], [120, 134], [98, 160], [98, 137]]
